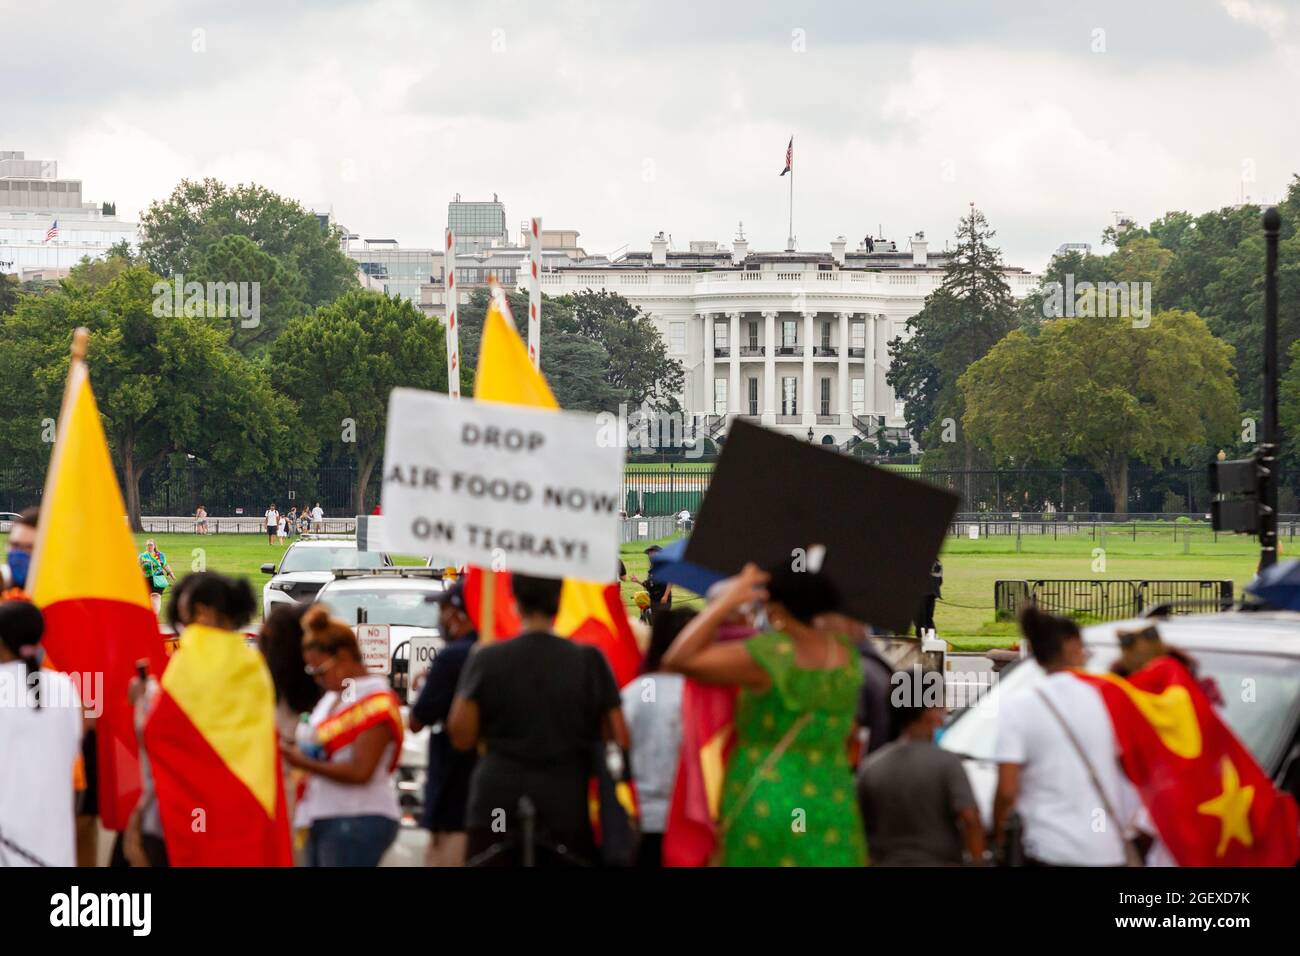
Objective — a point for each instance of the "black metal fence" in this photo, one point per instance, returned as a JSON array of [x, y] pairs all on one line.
[[1088, 600], [179, 486]]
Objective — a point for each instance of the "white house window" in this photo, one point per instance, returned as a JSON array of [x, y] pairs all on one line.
[[719, 396], [859, 386], [789, 395], [719, 335], [858, 335], [677, 337], [753, 335], [753, 396], [790, 334], [826, 397]]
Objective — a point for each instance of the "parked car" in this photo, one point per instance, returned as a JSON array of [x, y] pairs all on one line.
[[309, 563], [1253, 656]]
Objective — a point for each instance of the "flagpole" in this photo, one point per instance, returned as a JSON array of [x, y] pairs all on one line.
[[450, 294], [790, 236], [535, 292]]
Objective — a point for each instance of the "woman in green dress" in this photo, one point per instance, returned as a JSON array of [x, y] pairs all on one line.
[[788, 797]]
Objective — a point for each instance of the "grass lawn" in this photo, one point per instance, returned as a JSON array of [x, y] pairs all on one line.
[[965, 613]]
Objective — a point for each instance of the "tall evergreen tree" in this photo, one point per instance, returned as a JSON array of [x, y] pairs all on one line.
[[966, 316]]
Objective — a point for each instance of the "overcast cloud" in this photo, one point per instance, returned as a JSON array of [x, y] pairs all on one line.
[[621, 119]]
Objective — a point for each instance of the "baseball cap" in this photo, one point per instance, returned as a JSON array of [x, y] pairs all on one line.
[[453, 594]]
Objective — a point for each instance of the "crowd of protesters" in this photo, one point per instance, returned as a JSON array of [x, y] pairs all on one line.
[[827, 766]]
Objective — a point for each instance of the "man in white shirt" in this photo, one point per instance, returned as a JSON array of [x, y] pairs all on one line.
[[272, 524], [1073, 799], [317, 518]]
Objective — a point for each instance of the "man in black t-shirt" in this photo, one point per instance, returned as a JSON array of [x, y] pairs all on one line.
[[541, 705]]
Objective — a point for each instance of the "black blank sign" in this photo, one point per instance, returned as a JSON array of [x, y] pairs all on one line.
[[771, 494]]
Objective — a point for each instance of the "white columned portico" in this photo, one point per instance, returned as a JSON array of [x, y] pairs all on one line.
[[733, 355], [769, 368], [871, 364], [842, 392], [808, 416], [708, 363]]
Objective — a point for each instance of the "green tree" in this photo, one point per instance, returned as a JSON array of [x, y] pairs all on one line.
[[961, 320], [279, 291], [339, 363], [576, 358], [9, 292], [1105, 391], [639, 369], [164, 384], [178, 236]]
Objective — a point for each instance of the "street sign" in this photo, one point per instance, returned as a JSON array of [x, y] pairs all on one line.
[[423, 652], [375, 653]]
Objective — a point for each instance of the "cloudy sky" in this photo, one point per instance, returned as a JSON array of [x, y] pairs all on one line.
[[621, 119]]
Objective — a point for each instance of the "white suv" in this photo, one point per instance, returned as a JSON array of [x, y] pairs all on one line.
[[309, 563]]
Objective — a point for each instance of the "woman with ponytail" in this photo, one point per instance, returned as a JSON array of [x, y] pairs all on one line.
[[1058, 762], [40, 739], [350, 744]]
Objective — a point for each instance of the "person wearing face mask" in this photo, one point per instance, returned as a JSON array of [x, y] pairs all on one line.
[[916, 801], [350, 744], [18, 556]]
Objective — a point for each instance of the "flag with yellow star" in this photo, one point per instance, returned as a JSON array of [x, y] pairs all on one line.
[[1210, 801]]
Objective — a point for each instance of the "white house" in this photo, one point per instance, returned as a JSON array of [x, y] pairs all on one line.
[[795, 340]]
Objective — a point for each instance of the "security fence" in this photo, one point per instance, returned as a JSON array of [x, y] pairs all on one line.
[[1089, 600], [180, 485]]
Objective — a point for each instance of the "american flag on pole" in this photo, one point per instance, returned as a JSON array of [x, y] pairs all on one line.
[[789, 158], [52, 232]]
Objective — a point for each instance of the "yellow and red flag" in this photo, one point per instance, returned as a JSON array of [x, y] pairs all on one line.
[[88, 583], [1210, 801], [708, 736], [213, 749], [590, 612]]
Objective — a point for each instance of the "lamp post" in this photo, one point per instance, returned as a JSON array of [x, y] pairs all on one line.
[[1268, 449], [810, 436]]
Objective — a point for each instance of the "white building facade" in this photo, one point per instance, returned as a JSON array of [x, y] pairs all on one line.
[[32, 200], [795, 341]]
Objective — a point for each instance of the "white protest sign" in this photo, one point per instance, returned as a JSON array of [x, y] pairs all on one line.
[[373, 639], [506, 487], [423, 651]]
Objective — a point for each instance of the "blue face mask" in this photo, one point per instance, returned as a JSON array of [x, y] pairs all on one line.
[[19, 563]]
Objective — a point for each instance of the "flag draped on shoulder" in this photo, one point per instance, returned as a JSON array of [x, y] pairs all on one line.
[[88, 583], [590, 612], [1210, 801], [708, 735], [212, 746]]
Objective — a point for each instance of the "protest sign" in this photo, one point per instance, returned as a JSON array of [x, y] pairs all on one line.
[[505, 487]]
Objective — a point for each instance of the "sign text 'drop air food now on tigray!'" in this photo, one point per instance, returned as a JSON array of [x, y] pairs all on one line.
[[507, 487]]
